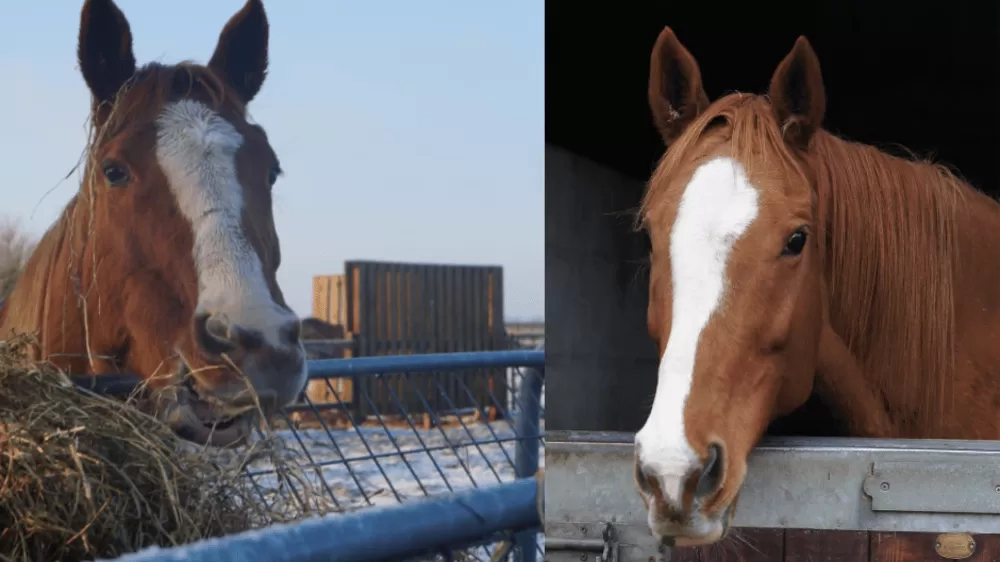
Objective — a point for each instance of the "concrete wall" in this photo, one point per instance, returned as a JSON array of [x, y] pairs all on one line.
[[600, 362]]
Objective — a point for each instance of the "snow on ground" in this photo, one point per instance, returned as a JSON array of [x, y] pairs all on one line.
[[375, 466], [372, 465], [367, 466]]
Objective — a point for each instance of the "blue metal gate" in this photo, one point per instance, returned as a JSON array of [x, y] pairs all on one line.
[[478, 499]]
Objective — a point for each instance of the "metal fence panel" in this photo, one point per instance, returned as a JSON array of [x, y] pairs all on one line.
[[394, 456], [906, 485], [460, 447]]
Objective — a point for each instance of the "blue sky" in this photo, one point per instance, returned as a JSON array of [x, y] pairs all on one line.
[[409, 131]]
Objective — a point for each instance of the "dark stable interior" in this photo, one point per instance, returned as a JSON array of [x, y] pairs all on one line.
[[921, 76]]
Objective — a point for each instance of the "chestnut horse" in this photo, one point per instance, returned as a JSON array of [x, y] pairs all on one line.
[[787, 261], [163, 263]]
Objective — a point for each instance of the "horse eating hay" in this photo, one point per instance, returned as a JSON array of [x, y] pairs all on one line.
[[786, 261], [89, 477], [163, 264]]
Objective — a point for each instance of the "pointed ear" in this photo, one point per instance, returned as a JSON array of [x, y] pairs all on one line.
[[676, 95], [797, 94], [105, 49], [240, 57]]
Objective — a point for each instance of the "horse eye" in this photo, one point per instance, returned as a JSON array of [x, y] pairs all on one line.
[[795, 244], [116, 174], [274, 174]]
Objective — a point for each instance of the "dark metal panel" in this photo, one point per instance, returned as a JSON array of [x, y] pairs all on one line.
[[481, 313], [427, 308], [499, 335], [426, 335]]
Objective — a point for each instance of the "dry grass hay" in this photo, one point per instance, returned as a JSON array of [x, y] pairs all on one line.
[[84, 476]]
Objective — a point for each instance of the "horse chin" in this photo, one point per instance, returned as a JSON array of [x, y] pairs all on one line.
[[695, 531], [704, 532], [191, 419], [227, 433], [196, 416]]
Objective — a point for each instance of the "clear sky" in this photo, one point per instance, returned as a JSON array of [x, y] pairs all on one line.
[[408, 131]]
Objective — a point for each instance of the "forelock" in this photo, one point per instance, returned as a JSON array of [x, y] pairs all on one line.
[[746, 122]]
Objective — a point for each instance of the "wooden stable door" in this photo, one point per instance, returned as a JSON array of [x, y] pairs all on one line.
[[796, 545]]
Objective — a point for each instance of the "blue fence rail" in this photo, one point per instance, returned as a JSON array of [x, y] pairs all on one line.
[[414, 530], [387, 459]]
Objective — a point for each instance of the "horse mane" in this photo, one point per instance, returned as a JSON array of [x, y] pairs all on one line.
[[888, 233], [25, 310]]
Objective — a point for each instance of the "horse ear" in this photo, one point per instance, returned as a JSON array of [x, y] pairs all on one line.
[[676, 95], [105, 49], [797, 94], [240, 57]]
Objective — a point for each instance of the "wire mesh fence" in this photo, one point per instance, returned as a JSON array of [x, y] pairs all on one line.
[[427, 443], [395, 455]]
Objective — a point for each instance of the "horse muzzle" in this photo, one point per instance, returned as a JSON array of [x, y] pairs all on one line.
[[698, 517], [201, 409]]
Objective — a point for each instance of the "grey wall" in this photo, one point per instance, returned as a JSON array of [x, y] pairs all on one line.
[[600, 362]]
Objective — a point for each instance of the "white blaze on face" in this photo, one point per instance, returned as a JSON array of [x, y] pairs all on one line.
[[196, 148], [717, 207]]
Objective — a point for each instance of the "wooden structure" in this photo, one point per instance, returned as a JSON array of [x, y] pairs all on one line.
[[325, 340], [327, 326], [330, 299], [800, 545], [526, 335], [391, 308]]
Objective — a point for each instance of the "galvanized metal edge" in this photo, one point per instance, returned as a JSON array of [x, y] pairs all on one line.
[[806, 483]]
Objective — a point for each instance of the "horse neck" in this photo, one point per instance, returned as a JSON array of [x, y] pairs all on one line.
[[44, 300], [893, 234]]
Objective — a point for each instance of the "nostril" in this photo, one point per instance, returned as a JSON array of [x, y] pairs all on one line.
[[645, 478], [212, 333], [710, 478], [292, 332]]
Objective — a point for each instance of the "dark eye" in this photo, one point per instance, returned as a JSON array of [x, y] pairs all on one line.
[[116, 174], [274, 174], [795, 244]]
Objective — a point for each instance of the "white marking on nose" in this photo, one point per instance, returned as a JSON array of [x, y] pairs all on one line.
[[717, 207], [196, 149]]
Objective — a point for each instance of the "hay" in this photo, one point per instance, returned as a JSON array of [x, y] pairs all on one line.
[[84, 476]]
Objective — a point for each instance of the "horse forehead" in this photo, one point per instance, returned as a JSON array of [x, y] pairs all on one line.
[[191, 130], [716, 207], [196, 149]]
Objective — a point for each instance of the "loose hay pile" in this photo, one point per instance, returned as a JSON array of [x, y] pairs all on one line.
[[84, 476]]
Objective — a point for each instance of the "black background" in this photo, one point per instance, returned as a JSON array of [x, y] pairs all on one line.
[[922, 75]]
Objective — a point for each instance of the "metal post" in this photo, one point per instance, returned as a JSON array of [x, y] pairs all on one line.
[[527, 426]]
